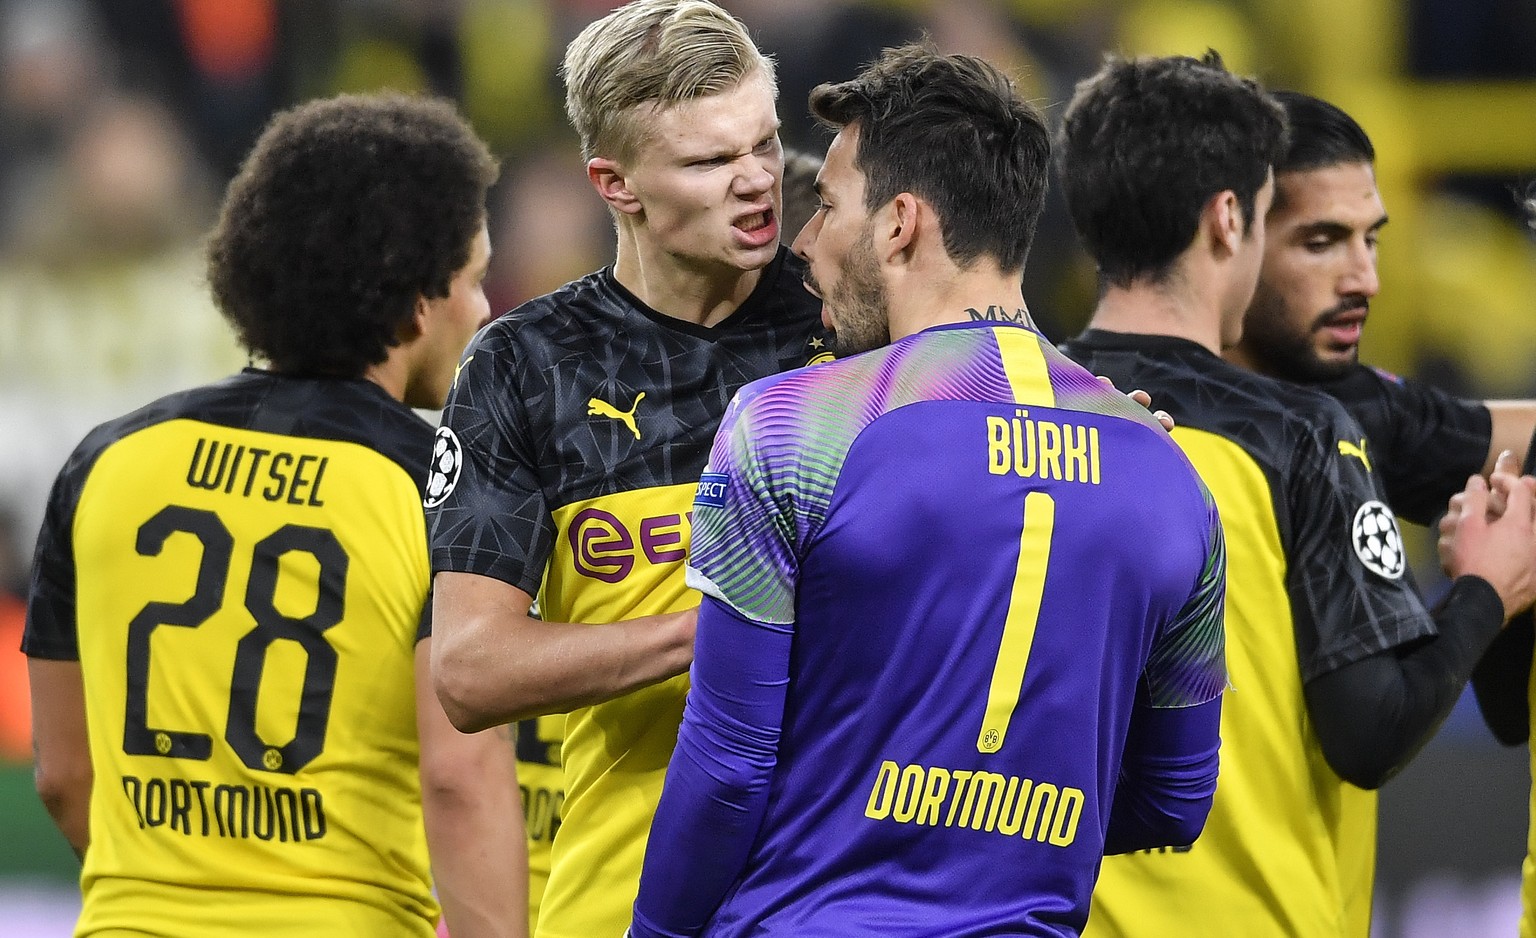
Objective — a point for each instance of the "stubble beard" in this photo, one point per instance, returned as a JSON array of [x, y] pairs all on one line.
[[1281, 352], [859, 306]]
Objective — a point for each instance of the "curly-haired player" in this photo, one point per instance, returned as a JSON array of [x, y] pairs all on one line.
[[227, 632]]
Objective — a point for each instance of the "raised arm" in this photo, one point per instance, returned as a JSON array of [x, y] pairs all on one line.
[[1373, 715], [1501, 682], [493, 663]]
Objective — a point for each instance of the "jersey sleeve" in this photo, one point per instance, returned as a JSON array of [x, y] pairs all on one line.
[[50, 627], [488, 512], [1188, 665], [716, 791], [1350, 592], [1423, 441], [745, 528]]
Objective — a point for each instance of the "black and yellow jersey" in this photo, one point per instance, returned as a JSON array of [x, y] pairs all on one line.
[[1315, 580], [541, 785], [241, 571], [566, 465], [1422, 441]]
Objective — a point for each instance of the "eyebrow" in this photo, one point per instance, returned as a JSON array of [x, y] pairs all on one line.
[[722, 152], [1336, 229]]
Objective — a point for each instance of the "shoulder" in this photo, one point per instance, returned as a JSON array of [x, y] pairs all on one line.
[[1274, 420], [589, 304]]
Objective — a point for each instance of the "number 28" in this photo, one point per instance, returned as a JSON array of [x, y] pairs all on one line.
[[139, 738]]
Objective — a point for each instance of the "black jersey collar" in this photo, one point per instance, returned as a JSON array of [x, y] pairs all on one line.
[[1105, 340]]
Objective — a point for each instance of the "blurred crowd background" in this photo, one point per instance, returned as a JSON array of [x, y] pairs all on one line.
[[121, 121]]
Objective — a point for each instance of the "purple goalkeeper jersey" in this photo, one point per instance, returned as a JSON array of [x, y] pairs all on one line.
[[939, 579]]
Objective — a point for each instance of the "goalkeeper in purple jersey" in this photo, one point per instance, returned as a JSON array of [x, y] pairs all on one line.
[[938, 672]]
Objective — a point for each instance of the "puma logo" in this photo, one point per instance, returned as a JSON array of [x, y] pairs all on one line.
[[459, 368], [1346, 448], [597, 407]]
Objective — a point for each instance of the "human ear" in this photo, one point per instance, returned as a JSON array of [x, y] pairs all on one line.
[[608, 178], [898, 225], [1225, 214]]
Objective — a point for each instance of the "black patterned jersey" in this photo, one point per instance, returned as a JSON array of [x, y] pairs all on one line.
[[241, 571], [1316, 580], [1423, 441], [566, 465]]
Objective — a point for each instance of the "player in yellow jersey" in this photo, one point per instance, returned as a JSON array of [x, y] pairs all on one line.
[[1339, 674], [227, 626], [582, 420]]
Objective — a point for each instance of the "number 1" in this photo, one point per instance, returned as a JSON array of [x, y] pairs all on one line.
[[1019, 627]]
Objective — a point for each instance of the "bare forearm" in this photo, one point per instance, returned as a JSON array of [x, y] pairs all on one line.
[[1512, 423], [69, 805], [62, 769], [479, 852], [493, 663], [491, 672]]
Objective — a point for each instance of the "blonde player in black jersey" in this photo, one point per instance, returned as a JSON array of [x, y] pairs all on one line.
[[582, 420], [228, 657]]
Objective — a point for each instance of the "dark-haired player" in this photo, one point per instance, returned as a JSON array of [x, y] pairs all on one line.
[[228, 634], [1305, 324], [935, 680], [1338, 672], [1310, 308]]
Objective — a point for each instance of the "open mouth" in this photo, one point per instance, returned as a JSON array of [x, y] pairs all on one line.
[[1345, 329], [755, 222]]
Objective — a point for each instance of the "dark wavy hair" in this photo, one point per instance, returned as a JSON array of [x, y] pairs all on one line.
[[345, 211], [1146, 142], [1322, 135], [952, 130]]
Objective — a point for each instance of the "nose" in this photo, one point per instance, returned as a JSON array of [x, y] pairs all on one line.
[[807, 236], [758, 175], [1360, 275]]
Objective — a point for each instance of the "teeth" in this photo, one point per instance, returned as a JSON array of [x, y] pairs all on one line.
[[753, 222]]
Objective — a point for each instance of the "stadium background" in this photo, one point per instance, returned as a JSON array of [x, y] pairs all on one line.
[[120, 121]]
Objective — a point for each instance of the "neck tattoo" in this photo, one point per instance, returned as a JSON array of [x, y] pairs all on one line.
[[999, 314]]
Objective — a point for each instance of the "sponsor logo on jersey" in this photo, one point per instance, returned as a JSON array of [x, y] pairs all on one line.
[[597, 407], [1349, 448], [447, 461], [603, 545], [636, 541], [1377, 541], [712, 489]]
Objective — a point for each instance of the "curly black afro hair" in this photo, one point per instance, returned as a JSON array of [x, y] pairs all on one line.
[[345, 211]]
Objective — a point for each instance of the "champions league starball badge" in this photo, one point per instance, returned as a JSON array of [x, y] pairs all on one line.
[[447, 460], [1377, 541]]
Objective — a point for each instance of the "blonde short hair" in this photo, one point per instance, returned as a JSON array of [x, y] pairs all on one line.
[[656, 52]]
